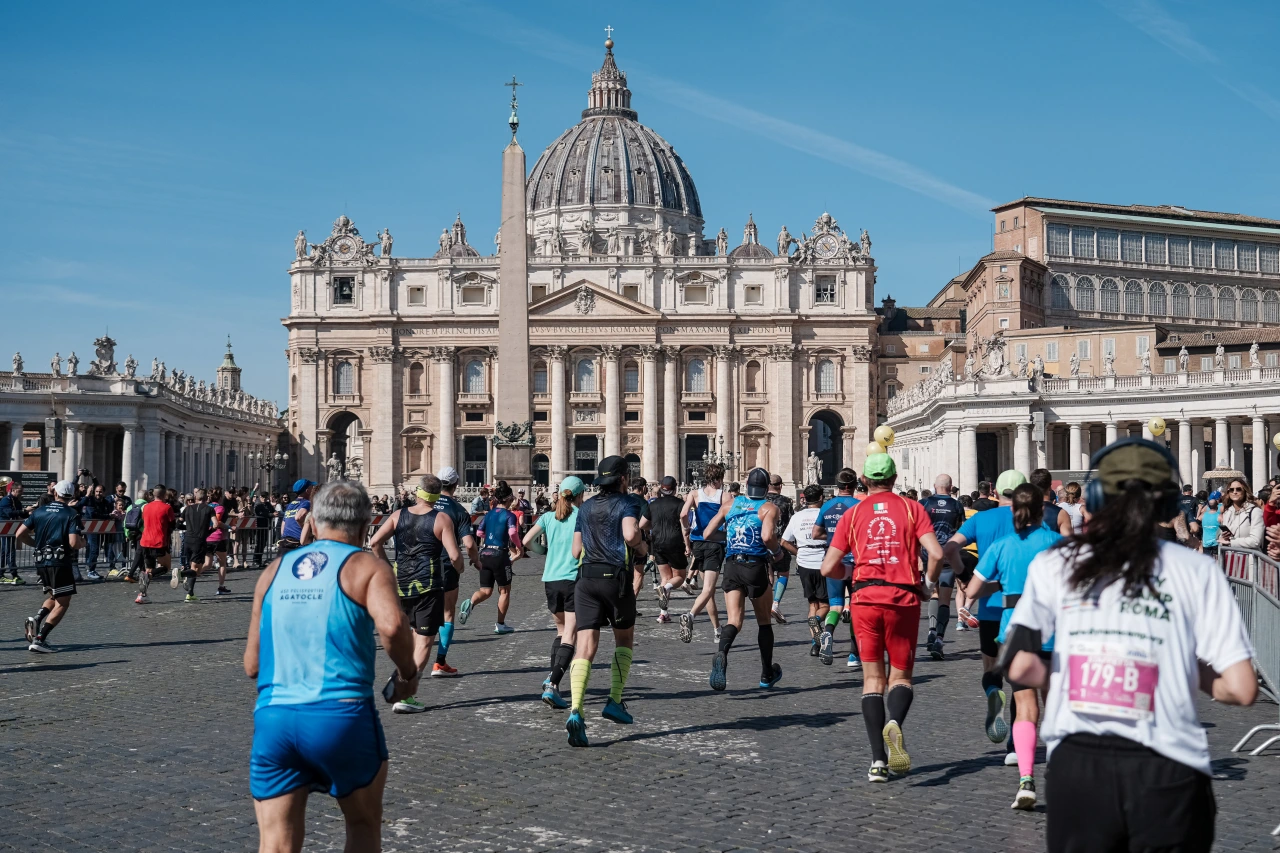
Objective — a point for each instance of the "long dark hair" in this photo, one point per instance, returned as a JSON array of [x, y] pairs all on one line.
[[1028, 507], [1118, 543]]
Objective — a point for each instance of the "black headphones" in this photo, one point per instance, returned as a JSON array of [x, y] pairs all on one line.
[[1095, 499]]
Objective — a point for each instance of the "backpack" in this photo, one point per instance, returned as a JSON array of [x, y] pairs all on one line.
[[133, 519]]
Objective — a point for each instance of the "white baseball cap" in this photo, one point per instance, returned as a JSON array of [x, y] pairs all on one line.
[[448, 475], [65, 488]]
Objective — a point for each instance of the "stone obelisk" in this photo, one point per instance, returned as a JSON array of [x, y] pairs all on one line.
[[513, 430]]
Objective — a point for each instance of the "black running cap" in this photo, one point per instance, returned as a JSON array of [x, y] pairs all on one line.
[[757, 483], [669, 484], [611, 469]]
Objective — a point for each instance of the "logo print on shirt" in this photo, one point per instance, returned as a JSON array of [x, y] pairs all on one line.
[[309, 566], [743, 535]]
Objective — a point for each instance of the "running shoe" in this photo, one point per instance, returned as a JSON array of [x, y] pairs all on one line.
[[664, 597], [39, 645], [551, 696], [967, 618], [410, 705], [928, 641], [718, 665], [815, 628], [899, 761], [191, 598], [854, 662], [878, 772], [617, 712], [663, 618], [686, 627], [813, 649], [442, 670], [130, 579], [93, 575], [464, 610], [997, 729], [777, 615], [32, 627], [8, 580], [222, 590], [773, 678], [845, 616], [115, 573], [175, 577], [142, 598], [825, 642], [18, 581], [501, 628], [577, 729], [1026, 797], [960, 626], [935, 649], [1011, 759]]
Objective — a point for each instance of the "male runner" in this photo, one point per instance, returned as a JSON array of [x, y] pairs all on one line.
[[669, 542], [500, 537], [158, 520], [704, 510], [781, 568], [607, 529], [1054, 516], [751, 537], [467, 541], [295, 516], [947, 515], [885, 533], [639, 498], [798, 540], [828, 517], [422, 534], [199, 519], [54, 531]]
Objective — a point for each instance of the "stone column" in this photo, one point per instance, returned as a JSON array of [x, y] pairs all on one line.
[[782, 399], [1112, 432], [1261, 448], [126, 460], [380, 469], [724, 391], [671, 411], [446, 401], [612, 402], [559, 412], [968, 458], [1073, 447], [1198, 462], [1022, 455], [949, 462], [15, 445], [170, 476], [152, 456], [1184, 451], [1221, 444], [1235, 433], [649, 413]]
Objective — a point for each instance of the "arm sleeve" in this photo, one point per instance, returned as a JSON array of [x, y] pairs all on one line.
[[1038, 607], [840, 539], [1220, 634]]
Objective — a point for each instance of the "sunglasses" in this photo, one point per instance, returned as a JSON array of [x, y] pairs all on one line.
[[1235, 489]]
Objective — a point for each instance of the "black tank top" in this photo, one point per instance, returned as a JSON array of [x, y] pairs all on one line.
[[418, 562]]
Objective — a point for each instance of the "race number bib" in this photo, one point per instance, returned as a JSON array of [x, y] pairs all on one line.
[[1110, 679]]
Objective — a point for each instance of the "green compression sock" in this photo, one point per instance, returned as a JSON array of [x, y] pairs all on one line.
[[579, 675], [833, 619], [619, 671]]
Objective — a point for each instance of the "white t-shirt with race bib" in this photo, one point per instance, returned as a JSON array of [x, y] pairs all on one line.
[[809, 551], [1128, 667]]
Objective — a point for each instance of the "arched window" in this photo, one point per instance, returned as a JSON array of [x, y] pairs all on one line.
[[584, 376], [1249, 306], [415, 454], [1110, 302], [1270, 307], [1226, 304], [1157, 300], [1084, 294], [1133, 298], [415, 380], [473, 379], [695, 376], [344, 378], [826, 377], [293, 385], [753, 376], [1204, 303], [1058, 295], [1181, 300], [540, 377], [631, 378]]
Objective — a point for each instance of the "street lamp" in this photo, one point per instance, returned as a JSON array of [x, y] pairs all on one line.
[[729, 461], [269, 464]]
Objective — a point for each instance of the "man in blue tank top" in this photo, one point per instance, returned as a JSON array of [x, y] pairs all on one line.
[[311, 648], [423, 535], [704, 511], [295, 516], [751, 538]]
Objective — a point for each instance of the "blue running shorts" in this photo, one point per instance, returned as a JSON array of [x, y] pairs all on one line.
[[335, 746]]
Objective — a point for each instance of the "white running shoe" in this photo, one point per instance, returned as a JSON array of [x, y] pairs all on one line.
[[500, 628], [1011, 759], [142, 598], [93, 575], [175, 577]]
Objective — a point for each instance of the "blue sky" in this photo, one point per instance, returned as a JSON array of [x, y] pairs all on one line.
[[156, 159]]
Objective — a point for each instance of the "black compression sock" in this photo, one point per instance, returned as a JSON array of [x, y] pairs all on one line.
[[764, 636], [45, 630], [990, 680], [564, 656], [555, 650], [727, 635], [873, 716], [1013, 718], [898, 702], [944, 616], [43, 613]]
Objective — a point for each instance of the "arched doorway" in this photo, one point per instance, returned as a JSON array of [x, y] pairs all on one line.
[[586, 454], [475, 460], [695, 447], [344, 439], [541, 470], [825, 441], [633, 466]]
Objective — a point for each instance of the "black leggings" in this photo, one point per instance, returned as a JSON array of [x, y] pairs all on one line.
[[1107, 793]]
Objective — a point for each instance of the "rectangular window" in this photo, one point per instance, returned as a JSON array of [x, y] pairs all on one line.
[[1269, 258], [1144, 344], [631, 291], [631, 417], [473, 295], [1224, 255], [1001, 226], [539, 380], [1082, 242], [1108, 244], [1156, 253], [695, 294], [1015, 222], [1082, 347], [824, 289], [417, 296], [1247, 256], [1272, 359], [31, 443], [753, 294], [1170, 365], [697, 416], [539, 416], [537, 291], [1051, 351], [474, 416], [924, 369], [1233, 362], [1020, 351], [1060, 240], [1131, 247], [1179, 253], [344, 290], [1206, 363], [1109, 347], [890, 349], [1202, 253], [922, 348], [1004, 322]]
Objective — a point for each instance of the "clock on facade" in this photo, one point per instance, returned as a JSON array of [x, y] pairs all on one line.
[[826, 246], [345, 249]]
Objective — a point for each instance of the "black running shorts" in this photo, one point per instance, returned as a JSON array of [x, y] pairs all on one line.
[[605, 601], [425, 612], [195, 550], [495, 568], [450, 577], [709, 556], [151, 556], [670, 554], [58, 580], [988, 630], [815, 586], [749, 575], [560, 596]]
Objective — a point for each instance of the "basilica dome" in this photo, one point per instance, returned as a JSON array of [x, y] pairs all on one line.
[[610, 163]]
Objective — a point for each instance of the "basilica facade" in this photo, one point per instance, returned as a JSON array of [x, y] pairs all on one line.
[[648, 337]]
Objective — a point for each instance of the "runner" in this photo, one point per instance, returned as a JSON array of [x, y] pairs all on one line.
[[218, 541], [500, 545], [947, 516], [751, 533], [199, 520], [1055, 518], [452, 571], [158, 520], [606, 531], [423, 534], [1129, 765], [828, 517], [1003, 568], [798, 540], [53, 530], [295, 516], [669, 543], [559, 576], [638, 489], [704, 510], [885, 533], [314, 724], [781, 569]]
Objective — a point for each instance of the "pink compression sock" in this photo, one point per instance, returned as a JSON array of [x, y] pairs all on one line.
[[1024, 743]]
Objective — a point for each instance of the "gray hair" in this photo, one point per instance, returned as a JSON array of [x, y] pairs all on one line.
[[942, 484], [342, 505]]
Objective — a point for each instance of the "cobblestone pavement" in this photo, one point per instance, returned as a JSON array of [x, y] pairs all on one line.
[[136, 737]]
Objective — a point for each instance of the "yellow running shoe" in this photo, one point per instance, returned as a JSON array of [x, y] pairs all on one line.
[[899, 761]]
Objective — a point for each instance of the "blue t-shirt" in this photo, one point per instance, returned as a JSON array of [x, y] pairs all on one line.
[[496, 528], [51, 526], [600, 523], [1209, 526], [1007, 561], [983, 529], [743, 528], [829, 516], [291, 528]]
